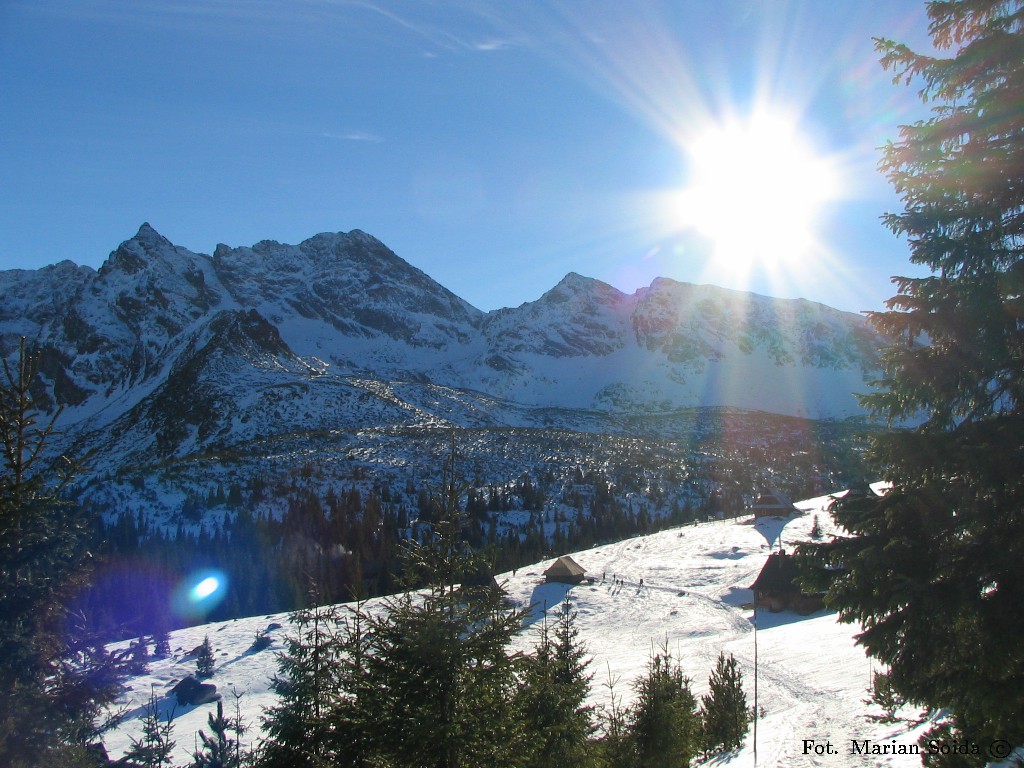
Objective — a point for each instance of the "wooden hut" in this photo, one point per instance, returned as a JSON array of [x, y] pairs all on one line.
[[565, 570], [773, 504], [776, 589]]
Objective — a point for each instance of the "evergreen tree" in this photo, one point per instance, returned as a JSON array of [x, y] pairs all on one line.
[[554, 693], [724, 714], [55, 679], [886, 697], [218, 750], [444, 679], [665, 725], [615, 748], [934, 570], [138, 657], [153, 749], [299, 728], [204, 659], [162, 644]]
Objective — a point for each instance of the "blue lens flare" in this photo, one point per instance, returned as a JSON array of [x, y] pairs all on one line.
[[199, 593], [205, 588]]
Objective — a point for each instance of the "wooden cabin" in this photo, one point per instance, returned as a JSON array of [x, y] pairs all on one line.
[[565, 570], [773, 504], [776, 589]]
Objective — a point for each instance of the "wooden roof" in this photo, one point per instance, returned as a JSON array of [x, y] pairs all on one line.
[[565, 566], [777, 575]]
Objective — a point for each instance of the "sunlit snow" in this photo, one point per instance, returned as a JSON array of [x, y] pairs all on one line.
[[812, 680]]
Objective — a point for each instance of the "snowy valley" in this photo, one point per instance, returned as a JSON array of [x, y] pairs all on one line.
[[813, 681]]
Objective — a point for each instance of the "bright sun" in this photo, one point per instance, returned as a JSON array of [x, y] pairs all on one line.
[[755, 191]]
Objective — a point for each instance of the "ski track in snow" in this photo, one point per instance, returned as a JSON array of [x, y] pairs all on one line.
[[812, 679]]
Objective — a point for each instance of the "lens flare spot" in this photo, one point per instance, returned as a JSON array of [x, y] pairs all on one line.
[[198, 594], [206, 587]]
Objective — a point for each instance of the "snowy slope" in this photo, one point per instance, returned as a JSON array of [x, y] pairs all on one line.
[[812, 678]]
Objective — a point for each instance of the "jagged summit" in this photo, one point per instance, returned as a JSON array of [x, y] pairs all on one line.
[[575, 283], [341, 305], [146, 233]]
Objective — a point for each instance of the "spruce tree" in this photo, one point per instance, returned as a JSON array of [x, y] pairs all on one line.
[[724, 714], [615, 748], [161, 644], [299, 729], [55, 678], [934, 570], [444, 679], [553, 696], [204, 659], [218, 749], [665, 725], [153, 749]]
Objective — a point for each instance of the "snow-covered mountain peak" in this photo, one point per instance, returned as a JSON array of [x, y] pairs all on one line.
[[574, 285], [112, 340]]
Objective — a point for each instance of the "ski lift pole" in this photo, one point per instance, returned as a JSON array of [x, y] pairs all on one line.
[[755, 682]]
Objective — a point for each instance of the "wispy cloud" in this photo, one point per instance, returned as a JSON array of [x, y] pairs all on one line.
[[371, 138], [452, 30], [454, 25], [491, 45]]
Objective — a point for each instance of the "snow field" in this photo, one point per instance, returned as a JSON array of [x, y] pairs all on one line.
[[812, 679]]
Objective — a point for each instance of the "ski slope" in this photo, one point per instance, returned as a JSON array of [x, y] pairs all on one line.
[[812, 679]]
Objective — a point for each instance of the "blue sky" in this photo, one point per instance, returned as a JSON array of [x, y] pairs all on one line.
[[495, 145]]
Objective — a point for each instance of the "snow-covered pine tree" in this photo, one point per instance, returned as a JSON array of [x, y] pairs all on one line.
[[724, 714]]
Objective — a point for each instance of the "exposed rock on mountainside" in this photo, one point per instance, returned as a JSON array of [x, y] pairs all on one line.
[[164, 354]]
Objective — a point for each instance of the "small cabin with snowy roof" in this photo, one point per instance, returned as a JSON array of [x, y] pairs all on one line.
[[776, 589], [565, 570]]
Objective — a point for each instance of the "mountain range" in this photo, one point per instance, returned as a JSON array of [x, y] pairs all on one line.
[[164, 356]]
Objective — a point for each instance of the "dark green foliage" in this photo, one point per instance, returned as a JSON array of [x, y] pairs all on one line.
[[946, 732], [615, 747], [317, 720], [665, 726], [261, 642], [428, 681], [218, 749], [444, 680], [153, 749], [553, 696], [885, 696], [138, 657], [54, 677], [724, 713], [934, 570], [204, 659], [161, 644]]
